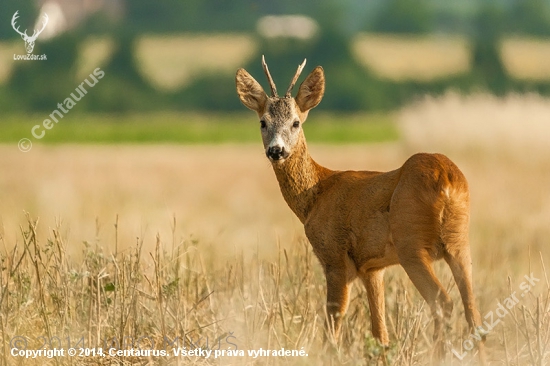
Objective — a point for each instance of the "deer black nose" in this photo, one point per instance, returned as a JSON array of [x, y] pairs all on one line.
[[275, 152]]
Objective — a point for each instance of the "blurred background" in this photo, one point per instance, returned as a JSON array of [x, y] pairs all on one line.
[[182, 55]]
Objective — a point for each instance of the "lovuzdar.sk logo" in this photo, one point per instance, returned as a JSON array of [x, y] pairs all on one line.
[[29, 40]]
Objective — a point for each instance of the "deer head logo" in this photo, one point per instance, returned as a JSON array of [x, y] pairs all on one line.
[[29, 41]]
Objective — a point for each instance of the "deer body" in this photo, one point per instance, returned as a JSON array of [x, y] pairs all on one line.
[[360, 222]]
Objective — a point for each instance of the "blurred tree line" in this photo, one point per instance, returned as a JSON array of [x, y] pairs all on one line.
[[41, 85]]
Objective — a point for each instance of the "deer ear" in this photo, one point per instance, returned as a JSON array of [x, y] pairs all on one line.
[[311, 90], [250, 92]]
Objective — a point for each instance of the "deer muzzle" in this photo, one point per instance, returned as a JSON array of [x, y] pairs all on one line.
[[277, 153]]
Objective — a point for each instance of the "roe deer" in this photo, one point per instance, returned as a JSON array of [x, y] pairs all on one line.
[[359, 222]]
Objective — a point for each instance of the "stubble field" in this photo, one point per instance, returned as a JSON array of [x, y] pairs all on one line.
[[151, 244]]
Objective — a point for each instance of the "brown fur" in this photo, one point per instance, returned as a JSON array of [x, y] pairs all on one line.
[[359, 222]]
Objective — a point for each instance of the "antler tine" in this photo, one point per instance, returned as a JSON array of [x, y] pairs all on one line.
[[14, 19], [294, 79], [13, 23], [45, 22], [271, 82]]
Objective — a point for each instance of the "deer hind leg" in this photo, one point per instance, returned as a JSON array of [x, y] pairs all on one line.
[[374, 283], [457, 255], [461, 267], [459, 260], [415, 226], [418, 266]]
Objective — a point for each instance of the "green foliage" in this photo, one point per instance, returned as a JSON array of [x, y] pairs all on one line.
[[41, 85], [530, 17], [164, 16], [404, 16], [27, 15], [98, 24], [487, 66], [123, 88], [169, 16], [211, 92]]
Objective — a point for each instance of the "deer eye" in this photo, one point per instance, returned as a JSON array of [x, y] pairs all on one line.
[[296, 124], [262, 124]]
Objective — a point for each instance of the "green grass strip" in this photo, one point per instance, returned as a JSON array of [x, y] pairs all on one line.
[[191, 128]]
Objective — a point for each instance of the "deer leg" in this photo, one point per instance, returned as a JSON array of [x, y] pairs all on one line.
[[419, 269], [338, 289], [374, 283], [461, 266]]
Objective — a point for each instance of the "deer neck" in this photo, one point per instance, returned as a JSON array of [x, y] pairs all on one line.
[[299, 177]]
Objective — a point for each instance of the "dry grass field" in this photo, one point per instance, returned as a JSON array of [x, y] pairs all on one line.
[[114, 245]]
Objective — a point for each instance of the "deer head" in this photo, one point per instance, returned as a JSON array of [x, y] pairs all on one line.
[[29, 41], [281, 118]]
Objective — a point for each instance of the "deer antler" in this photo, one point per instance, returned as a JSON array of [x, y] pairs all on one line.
[[295, 78], [37, 33], [269, 78], [15, 16]]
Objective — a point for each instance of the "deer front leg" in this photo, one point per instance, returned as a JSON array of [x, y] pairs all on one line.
[[339, 279], [374, 283]]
